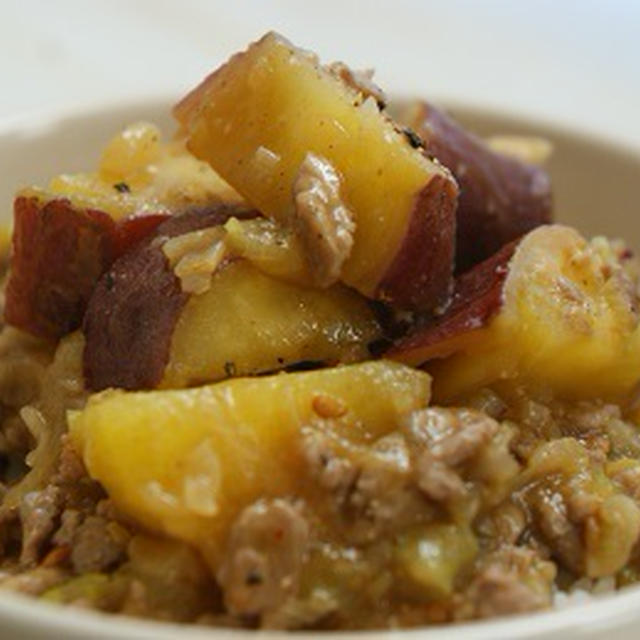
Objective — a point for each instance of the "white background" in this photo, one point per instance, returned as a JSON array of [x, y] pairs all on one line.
[[573, 62]]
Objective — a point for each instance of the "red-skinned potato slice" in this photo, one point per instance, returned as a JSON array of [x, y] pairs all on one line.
[[58, 253], [258, 118], [501, 197], [136, 304]]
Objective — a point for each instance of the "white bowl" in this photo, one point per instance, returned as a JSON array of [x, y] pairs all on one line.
[[595, 188]]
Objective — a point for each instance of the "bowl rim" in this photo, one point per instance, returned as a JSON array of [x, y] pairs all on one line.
[[584, 619], [39, 120], [20, 613]]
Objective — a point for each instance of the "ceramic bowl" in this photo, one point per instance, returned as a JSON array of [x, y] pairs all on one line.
[[595, 189]]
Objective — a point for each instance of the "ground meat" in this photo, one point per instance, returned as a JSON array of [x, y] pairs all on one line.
[[323, 222], [136, 602], [97, 545], [446, 438], [385, 497], [63, 513], [371, 489], [39, 511], [334, 472], [552, 519], [70, 466], [265, 553], [361, 81], [70, 520], [512, 580], [437, 480], [629, 480], [452, 435], [503, 526]]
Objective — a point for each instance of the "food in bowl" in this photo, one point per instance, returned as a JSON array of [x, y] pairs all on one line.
[[308, 366]]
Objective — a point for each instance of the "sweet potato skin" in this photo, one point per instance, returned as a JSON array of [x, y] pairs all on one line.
[[58, 253], [135, 305], [501, 198], [477, 297], [422, 268]]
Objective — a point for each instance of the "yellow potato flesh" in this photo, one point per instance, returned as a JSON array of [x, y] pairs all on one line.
[[249, 323], [256, 118], [138, 172], [276, 251], [567, 323], [184, 462]]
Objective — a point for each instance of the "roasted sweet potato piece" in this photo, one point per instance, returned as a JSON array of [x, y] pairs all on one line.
[[551, 310], [58, 253], [501, 197], [271, 114], [477, 297], [249, 323], [185, 462], [138, 171], [135, 305], [154, 323]]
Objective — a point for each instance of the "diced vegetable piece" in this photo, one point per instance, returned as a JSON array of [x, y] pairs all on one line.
[[95, 589], [431, 557], [257, 118], [501, 197], [275, 250], [611, 535], [186, 462], [176, 580], [565, 318], [248, 323]]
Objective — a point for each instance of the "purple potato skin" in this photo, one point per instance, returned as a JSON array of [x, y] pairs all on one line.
[[134, 307], [501, 198], [477, 297]]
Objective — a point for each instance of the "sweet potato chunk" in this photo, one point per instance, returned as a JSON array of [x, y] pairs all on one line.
[[249, 323], [258, 120], [134, 308], [501, 197], [561, 313], [59, 252], [477, 297], [139, 172], [185, 462]]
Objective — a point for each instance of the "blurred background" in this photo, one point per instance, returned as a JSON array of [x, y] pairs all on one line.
[[569, 62]]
